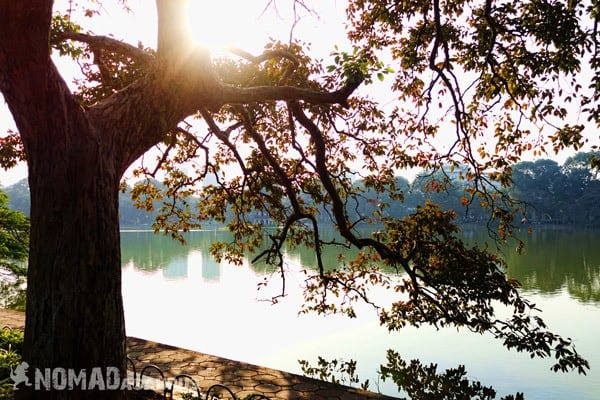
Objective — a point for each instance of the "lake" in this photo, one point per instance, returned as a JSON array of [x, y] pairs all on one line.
[[180, 296]]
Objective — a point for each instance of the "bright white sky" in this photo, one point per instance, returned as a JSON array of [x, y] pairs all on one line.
[[216, 24]]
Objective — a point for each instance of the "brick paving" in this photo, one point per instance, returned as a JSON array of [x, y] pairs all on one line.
[[243, 379]]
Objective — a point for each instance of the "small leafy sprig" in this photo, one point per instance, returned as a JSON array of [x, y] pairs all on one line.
[[357, 66]]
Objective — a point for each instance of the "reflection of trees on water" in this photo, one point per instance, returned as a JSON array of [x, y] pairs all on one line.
[[587, 290], [150, 252], [176, 269], [558, 258], [553, 258], [330, 256]]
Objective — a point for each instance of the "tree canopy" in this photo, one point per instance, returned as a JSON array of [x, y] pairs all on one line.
[[497, 79]]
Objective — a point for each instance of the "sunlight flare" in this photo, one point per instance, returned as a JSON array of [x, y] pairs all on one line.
[[219, 25]]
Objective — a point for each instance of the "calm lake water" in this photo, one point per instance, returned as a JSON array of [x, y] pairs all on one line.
[[179, 295]]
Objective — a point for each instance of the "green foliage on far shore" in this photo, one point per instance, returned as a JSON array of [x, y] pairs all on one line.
[[14, 247]]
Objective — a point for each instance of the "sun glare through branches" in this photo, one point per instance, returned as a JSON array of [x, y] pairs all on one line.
[[222, 24]]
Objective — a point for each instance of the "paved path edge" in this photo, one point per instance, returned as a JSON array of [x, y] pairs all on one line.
[[242, 378]]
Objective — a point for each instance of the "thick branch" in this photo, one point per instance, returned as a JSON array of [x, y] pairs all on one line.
[[24, 30], [39, 99], [109, 44], [233, 95]]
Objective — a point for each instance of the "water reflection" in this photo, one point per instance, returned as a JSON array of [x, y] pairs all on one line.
[[176, 269], [553, 260], [211, 270], [212, 309], [149, 252]]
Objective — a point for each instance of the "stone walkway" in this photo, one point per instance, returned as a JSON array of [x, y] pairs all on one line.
[[207, 370]]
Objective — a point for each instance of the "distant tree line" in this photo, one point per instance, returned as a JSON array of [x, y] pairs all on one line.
[[560, 194], [549, 194], [14, 243]]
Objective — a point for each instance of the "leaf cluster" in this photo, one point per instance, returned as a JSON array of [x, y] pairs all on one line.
[[516, 66], [11, 150], [338, 371], [14, 238], [423, 382], [11, 350], [418, 381], [357, 66]]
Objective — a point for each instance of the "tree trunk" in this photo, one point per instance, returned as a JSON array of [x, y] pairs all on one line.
[[74, 311], [75, 331], [74, 314]]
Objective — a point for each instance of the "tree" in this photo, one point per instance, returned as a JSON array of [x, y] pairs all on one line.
[[14, 229], [14, 241], [583, 191], [540, 183], [293, 129], [557, 194], [580, 173]]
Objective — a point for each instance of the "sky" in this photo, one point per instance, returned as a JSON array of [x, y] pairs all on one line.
[[244, 24]]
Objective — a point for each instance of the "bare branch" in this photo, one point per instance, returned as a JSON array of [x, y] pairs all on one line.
[[223, 135], [267, 55]]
